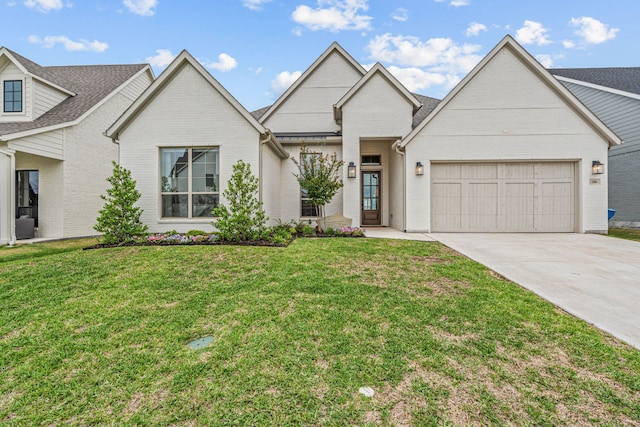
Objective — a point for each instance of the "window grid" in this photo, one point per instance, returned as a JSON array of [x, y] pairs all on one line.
[[12, 96], [189, 182]]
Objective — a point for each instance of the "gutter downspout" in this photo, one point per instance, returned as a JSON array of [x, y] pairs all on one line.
[[396, 147], [12, 195]]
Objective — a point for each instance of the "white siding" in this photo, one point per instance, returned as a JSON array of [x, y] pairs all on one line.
[[377, 110], [48, 144], [187, 112], [310, 107], [135, 88], [490, 120], [45, 98]]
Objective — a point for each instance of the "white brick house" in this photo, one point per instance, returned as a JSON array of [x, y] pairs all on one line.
[[54, 159], [510, 149]]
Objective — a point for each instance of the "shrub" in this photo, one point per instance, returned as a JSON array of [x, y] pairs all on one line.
[[244, 220], [119, 219], [192, 233]]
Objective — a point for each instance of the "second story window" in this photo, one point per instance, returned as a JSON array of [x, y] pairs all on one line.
[[12, 96]]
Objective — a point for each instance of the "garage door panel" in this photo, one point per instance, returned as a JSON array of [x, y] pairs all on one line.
[[447, 206], [483, 204], [518, 204], [503, 197]]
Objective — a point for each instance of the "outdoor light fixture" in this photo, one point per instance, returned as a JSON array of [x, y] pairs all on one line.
[[351, 170], [419, 169], [597, 168]]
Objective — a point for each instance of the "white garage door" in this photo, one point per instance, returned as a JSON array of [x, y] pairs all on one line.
[[503, 197]]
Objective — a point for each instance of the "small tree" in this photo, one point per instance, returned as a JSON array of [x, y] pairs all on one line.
[[244, 219], [319, 176], [119, 220]]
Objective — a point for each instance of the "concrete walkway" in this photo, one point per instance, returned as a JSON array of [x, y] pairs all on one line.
[[593, 277]]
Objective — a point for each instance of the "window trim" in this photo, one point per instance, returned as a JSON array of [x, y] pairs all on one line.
[[189, 193], [22, 94]]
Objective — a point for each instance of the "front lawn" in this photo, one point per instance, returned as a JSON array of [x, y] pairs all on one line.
[[99, 337]]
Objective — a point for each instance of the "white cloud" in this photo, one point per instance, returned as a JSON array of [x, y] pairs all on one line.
[[283, 80], [225, 63], [44, 5], [334, 15], [474, 29], [416, 79], [593, 31], [532, 33], [141, 7], [297, 31], [455, 3], [440, 54], [545, 60], [69, 45], [162, 58], [568, 44], [254, 4], [401, 14]]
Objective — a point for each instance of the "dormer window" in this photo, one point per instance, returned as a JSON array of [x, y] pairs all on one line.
[[12, 96]]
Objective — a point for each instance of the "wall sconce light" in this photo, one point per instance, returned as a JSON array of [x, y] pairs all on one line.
[[597, 168], [351, 170], [419, 169]]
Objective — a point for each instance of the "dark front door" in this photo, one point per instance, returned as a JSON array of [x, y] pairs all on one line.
[[371, 200]]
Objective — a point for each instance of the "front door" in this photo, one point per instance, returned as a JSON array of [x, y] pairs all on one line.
[[371, 201], [27, 190]]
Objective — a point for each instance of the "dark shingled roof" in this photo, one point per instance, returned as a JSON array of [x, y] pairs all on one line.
[[428, 105], [626, 79], [90, 83]]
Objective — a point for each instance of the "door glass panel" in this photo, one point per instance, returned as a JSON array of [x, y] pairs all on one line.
[[27, 189]]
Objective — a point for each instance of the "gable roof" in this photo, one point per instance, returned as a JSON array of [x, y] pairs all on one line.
[[89, 86], [536, 68], [164, 79], [380, 70], [44, 74], [334, 48], [158, 85], [624, 79]]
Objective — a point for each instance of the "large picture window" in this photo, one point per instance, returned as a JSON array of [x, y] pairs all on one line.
[[308, 209], [190, 182], [12, 96], [27, 191]]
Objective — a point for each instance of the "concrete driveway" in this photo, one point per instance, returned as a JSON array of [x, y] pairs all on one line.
[[593, 277]]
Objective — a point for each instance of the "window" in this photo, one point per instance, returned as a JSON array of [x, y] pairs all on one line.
[[371, 160], [12, 96], [307, 209], [27, 194], [190, 182]]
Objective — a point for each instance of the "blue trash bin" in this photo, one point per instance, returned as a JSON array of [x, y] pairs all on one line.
[[612, 212]]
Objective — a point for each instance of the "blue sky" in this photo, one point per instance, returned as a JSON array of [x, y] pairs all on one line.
[[256, 48]]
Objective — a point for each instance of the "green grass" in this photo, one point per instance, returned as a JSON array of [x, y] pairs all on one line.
[[625, 233], [98, 337]]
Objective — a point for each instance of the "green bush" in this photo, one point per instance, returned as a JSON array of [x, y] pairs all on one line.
[[244, 220], [192, 233], [119, 219]]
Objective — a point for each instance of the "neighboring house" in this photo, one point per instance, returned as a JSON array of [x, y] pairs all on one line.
[[510, 149], [613, 94], [54, 159]]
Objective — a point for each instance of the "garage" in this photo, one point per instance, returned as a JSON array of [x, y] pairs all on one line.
[[503, 197]]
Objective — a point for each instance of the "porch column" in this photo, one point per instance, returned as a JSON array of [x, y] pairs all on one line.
[[7, 197]]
